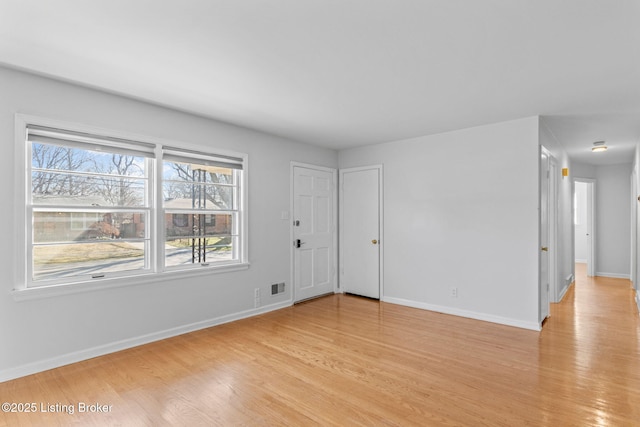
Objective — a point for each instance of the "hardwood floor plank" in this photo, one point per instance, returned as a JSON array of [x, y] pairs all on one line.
[[343, 360]]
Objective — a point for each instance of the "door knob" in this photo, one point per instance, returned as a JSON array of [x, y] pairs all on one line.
[[374, 241], [544, 248]]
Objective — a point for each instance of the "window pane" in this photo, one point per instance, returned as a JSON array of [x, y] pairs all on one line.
[[84, 177], [189, 185], [186, 251], [87, 226], [54, 157], [51, 188], [199, 238], [68, 260]]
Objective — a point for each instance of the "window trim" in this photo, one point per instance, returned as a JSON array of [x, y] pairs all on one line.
[[24, 287]]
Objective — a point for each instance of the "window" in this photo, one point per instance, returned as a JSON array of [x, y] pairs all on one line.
[[89, 203], [104, 207], [201, 208], [81, 221]]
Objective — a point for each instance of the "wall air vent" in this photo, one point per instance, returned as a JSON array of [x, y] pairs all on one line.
[[277, 288]]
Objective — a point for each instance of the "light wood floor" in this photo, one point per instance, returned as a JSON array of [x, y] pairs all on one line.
[[348, 361]]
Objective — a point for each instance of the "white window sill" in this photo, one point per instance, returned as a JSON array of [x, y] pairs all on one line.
[[32, 293]]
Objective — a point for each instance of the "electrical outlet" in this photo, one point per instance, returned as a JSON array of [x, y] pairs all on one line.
[[454, 292]]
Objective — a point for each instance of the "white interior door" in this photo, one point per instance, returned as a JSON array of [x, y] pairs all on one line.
[[544, 235], [360, 231], [313, 232]]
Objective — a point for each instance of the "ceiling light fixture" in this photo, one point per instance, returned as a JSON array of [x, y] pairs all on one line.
[[599, 146]]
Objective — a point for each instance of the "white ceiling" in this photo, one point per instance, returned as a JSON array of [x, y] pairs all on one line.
[[343, 73]]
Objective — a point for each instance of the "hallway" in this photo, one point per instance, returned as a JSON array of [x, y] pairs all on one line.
[[592, 340]]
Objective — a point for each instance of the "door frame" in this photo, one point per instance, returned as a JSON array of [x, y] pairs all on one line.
[[381, 238], [334, 218], [591, 224]]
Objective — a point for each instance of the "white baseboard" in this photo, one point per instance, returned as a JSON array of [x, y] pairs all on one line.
[[568, 281], [78, 356], [465, 313], [638, 300], [563, 291], [613, 275]]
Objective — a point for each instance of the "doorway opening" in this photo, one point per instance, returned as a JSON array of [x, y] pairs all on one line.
[[584, 225]]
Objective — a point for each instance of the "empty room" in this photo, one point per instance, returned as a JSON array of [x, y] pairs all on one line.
[[320, 213]]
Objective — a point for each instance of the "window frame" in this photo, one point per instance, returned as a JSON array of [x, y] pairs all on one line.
[[25, 287]]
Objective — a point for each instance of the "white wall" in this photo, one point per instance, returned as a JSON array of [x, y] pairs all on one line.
[[39, 334], [461, 210], [582, 170], [581, 224], [613, 220]]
